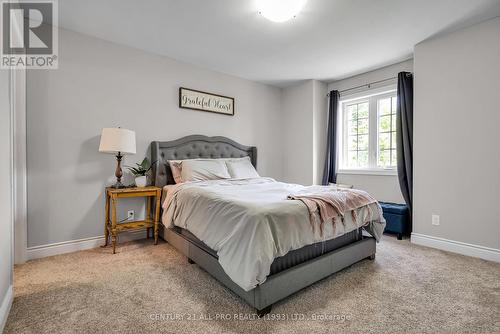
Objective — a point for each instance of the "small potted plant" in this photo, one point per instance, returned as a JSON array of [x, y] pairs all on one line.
[[140, 172]]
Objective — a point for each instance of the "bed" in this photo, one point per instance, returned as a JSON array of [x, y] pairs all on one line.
[[291, 268]]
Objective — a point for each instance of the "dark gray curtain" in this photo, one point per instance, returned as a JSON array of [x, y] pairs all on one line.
[[330, 171], [404, 137]]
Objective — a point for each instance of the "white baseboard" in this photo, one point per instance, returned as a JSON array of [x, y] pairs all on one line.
[[486, 253], [78, 245], [5, 307]]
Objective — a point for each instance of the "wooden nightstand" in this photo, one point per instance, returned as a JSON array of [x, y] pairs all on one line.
[[111, 228]]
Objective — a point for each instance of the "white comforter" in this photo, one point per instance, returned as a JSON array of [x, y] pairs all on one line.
[[250, 222]]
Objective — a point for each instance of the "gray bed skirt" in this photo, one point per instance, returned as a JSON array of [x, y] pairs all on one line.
[[282, 283]]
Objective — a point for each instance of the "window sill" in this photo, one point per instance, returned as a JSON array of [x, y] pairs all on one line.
[[388, 172]]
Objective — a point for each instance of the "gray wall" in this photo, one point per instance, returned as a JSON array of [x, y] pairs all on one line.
[[297, 104], [99, 84], [304, 132], [456, 153], [383, 187], [5, 191]]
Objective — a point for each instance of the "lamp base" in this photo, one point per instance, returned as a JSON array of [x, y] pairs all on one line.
[[118, 185], [118, 172]]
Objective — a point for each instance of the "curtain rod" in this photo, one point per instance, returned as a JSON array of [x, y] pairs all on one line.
[[365, 85]]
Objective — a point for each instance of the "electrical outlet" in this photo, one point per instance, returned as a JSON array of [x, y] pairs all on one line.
[[435, 220], [130, 215]]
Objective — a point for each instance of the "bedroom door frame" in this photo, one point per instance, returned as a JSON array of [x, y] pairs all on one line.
[[19, 165]]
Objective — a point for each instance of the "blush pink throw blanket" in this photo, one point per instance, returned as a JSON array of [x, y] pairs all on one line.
[[333, 204]]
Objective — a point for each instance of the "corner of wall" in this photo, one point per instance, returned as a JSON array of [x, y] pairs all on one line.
[[304, 110], [320, 128], [297, 104]]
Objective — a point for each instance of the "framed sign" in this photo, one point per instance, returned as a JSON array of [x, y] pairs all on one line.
[[198, 100]]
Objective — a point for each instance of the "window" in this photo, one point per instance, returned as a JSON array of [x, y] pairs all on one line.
[[386, 152], [369, 133], [357, 134]]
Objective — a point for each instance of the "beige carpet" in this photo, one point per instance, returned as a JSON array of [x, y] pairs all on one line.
[[407, 289]]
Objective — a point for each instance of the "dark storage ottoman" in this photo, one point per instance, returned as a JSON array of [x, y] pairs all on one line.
[[396, 217]]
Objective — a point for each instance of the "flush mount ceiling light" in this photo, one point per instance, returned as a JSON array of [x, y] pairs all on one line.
[[280, 10]]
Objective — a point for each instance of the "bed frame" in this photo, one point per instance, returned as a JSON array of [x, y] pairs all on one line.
[[277, 286]]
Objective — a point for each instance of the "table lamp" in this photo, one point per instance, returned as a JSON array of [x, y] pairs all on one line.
[[120, 142]]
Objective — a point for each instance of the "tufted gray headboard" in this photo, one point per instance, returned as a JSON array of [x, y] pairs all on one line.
[[192, 147]]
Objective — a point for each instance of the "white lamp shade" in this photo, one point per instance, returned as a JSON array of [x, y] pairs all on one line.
[[114, 140]]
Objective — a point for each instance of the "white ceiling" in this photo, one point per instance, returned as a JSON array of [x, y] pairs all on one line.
[[328, 40]]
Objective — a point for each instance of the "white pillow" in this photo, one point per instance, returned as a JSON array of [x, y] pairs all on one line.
[[200, 170], [241, 168], [176, 166]]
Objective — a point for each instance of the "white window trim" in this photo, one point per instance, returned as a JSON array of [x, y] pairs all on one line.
[[373, 140], [369, 171]]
